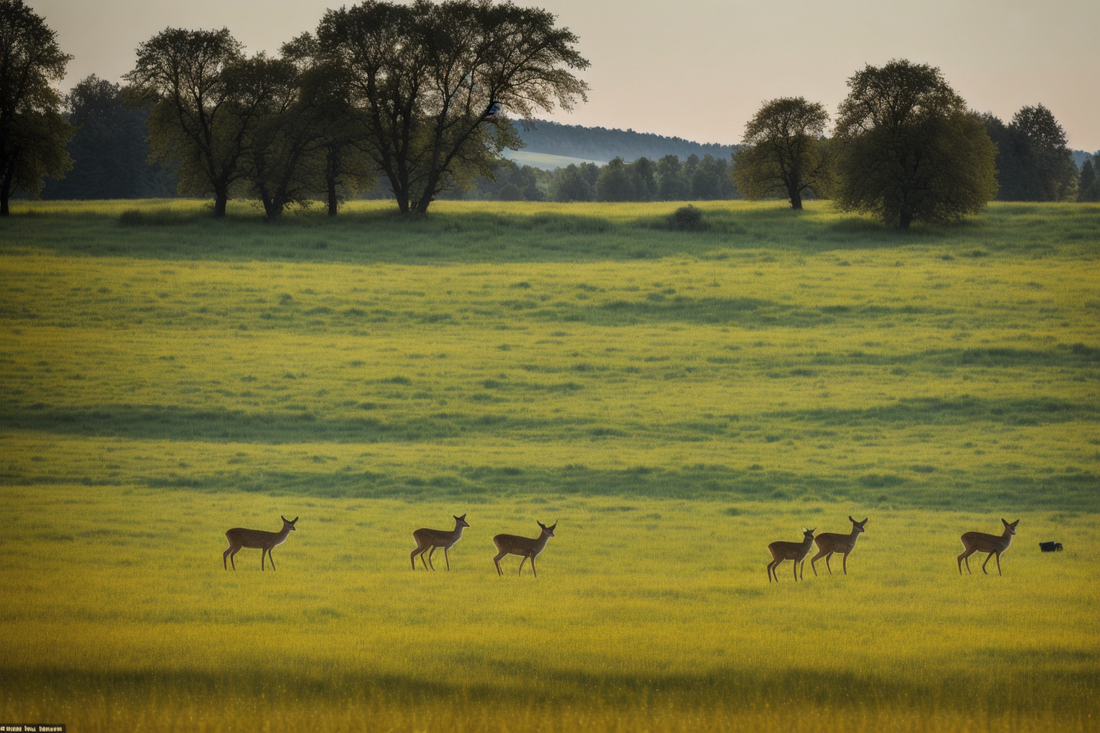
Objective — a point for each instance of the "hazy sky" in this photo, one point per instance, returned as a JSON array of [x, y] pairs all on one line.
[[699, 69]]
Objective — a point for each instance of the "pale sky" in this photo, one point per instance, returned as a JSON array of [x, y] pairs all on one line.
[[699, 69]]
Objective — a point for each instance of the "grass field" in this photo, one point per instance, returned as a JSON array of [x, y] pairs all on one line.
[[676, 401]]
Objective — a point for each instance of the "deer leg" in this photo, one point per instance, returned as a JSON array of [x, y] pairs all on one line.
[[413, 556], [987, 559], [430, 553], [521, 564], [496, 560], [263, 554], [771, 565], [271, 557], [231, 551], [802, 569], [225, 555], [796, 571], [964, 556], [533, 566], [827, 566], [814, 560], [446, 558], [845, 563]]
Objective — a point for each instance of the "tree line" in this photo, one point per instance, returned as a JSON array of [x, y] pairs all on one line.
[[413, 102]]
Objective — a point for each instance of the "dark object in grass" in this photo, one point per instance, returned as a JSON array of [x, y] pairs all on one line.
[[687, 219], [1050, 546]]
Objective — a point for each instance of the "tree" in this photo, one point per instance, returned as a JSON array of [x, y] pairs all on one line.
[[333, 123], [1033, 162], [109, 149], [908, 148], [575, 183], [32, 131], [784, 152], [1089, 184], [616, 182], [671, 183], [205, 106], [431, 82]]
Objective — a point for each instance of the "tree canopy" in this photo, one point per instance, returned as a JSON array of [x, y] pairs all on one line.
[[32, 131], [430, 82], [909, 150], [784, 152]]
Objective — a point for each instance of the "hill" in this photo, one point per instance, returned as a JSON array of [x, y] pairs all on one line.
[[602, 144]]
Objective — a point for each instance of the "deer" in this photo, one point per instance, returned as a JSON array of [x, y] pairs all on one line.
[[830, 542], [510, 544], [256, 539], [433, 538], [796, 551], [981, 542]]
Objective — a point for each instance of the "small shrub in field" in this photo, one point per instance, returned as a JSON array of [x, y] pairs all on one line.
[[687, 219]]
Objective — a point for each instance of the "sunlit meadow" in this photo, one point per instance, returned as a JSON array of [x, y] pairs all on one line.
[[675, 401]]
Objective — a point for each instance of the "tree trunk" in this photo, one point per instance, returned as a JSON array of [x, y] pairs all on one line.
[[904, 220], [330, 180], [220, 201], [5, 190], [796, 199]]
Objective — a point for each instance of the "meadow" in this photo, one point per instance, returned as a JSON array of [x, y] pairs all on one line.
[[675, 400]]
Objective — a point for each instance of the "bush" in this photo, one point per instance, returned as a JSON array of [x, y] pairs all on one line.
[[687, 219]]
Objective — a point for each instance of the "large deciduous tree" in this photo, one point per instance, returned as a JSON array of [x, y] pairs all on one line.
[[32, 131], [431, 81], [908, 148], [784, 152], [205, 103]]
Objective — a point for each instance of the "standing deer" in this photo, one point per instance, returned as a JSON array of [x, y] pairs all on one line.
[[255, 538], [509, 544], [433, 538], [991, 543], [796, 551], [830, 542]]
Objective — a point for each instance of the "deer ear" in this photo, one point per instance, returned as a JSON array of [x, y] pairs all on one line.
[[294, 520], [852, 520]]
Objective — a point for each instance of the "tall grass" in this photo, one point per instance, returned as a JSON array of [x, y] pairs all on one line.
[[677, 400]]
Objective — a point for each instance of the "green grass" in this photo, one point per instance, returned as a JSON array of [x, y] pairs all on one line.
[[676, 400]]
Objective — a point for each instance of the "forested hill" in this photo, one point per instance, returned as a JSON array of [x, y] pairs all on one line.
[[599, 143]]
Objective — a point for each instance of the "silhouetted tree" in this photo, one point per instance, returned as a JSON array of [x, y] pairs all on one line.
[[207, 102], [784, 152], [32, 131], [432, 81], [908, 148]]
